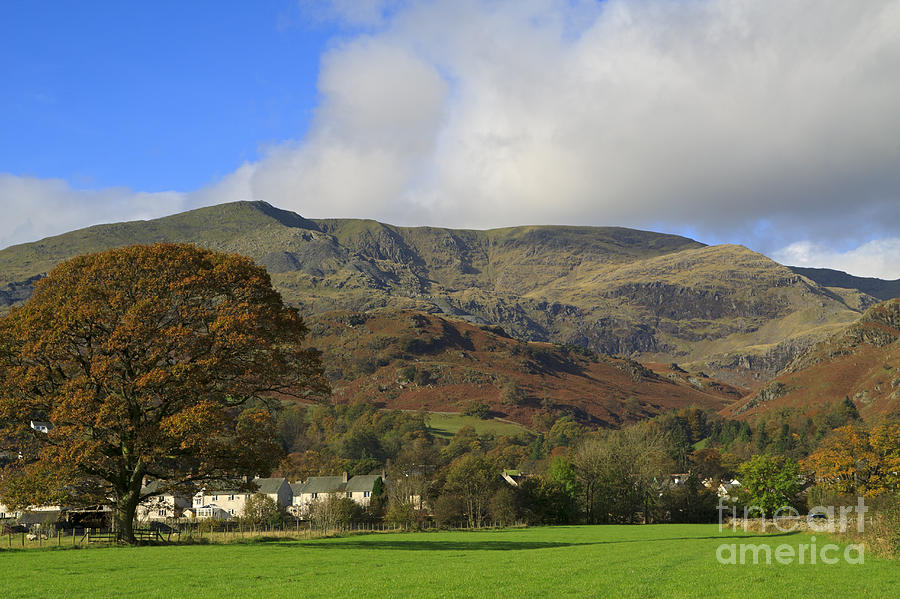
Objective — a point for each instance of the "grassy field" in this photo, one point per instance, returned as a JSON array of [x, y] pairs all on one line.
[[613, 561], [446, 425]]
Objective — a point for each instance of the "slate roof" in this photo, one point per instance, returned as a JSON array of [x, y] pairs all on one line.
[[268, 486], [151, 487], [322, 484], [361, 483], [41, 517]]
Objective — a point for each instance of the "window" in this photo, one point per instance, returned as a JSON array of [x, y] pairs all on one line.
[[162, 512], [315, 495], [365, 493], [349, 494], [215, 497], [231, 498], [232, 512]]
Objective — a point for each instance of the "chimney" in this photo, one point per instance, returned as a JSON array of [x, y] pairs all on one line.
[[344, 477]]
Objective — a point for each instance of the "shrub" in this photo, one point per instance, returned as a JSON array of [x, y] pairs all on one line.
[[503, 506], [479, 409], [511, 394], [333, 511], [448, 510], [262, 510], [402, 514], [883, 532], [422, 377], [406, 374]]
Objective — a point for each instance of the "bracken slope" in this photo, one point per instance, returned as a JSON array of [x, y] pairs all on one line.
[[861, 362]]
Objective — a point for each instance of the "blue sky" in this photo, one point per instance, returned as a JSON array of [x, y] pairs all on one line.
[[154, 95], [772, 124]]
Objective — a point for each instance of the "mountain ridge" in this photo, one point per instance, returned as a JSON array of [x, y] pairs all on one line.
[[652, 296], [827, 277]]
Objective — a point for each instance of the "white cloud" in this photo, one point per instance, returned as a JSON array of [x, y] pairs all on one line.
[[36, 208], [373, 138], [718, 115], [763, 122], [879, 258]]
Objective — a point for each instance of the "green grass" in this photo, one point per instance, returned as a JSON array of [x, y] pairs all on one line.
[[609, 561], [446, 425]]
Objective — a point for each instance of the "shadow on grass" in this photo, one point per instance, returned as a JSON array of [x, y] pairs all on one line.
[[489, 545], [444, 545], [403, 542]]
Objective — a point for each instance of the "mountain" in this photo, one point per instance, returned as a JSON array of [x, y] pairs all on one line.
[[725, 310], [410, 360], [826, 277], [861, 362]]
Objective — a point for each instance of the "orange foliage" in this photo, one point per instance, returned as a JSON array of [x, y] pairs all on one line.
[[144, 358], [853, 460]]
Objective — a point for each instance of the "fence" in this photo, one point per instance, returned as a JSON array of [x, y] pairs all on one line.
[[207, 531]]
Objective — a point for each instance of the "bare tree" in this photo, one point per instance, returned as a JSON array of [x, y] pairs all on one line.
[[618, 473], [331, 512]]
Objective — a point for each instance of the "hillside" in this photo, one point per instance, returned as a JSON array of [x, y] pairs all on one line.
[[861, 362], [725, 310], [411, 360]]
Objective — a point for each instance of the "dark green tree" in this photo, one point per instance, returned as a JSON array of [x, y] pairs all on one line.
[[770, 482]]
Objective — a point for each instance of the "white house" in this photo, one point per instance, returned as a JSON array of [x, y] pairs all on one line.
[[161, 507], [513, 477], [5, 512], [726, 489], [229, 503], [41, 427], [316, 487], [359, 489]]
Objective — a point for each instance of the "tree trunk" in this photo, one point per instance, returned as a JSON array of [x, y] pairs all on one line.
[[127, 506], [125, 522]]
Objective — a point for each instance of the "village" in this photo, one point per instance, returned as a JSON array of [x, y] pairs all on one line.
[[230, 501]]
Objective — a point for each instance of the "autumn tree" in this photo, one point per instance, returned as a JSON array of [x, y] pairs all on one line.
[[149, 361], [855, 461]]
